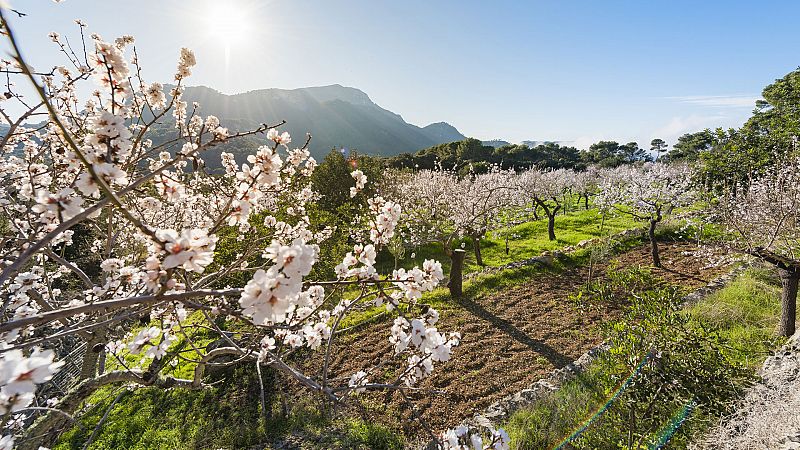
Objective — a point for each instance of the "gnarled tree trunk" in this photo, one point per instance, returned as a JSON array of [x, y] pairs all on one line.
[[789, 280], [651, 233], [456, 273], [90, 359], [551, 218], [551, 226]]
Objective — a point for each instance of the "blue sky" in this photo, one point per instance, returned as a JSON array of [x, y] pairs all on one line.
[[559, 70]]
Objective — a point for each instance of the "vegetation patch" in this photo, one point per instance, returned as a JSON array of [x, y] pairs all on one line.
[[668, 375]]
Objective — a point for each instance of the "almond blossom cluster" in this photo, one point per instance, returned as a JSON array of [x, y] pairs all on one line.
[[425, 344], [19, 376], [273, 293], [361, 181]]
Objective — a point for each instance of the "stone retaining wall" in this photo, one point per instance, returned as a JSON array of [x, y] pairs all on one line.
[[769, 415]]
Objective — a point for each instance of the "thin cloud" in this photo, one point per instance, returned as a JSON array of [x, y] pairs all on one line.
[[718, 101], [680, 125]]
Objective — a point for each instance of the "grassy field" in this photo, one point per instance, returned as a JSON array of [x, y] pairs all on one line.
[[532, 241], [529, 240]]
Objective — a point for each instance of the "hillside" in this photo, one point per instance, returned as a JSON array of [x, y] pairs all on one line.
[[336, 116]]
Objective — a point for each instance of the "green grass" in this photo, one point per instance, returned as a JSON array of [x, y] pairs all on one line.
[[530, 240], [226, 416], [745, 312], [572, 228], [557, 415], [223, 417]]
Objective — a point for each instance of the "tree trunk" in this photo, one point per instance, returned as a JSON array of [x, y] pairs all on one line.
[[101, 363], [476, 244], [551, 226], [456, 273], [651, 233], [586, 202], [789, 280], [90, 359]]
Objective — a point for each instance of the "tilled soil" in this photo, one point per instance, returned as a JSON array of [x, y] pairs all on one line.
[[510, 339]]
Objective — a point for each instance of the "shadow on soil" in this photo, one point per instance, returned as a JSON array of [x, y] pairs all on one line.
[[554, 357]]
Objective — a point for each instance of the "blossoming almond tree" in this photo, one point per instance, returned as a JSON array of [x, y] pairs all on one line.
[[546, 189], [765, 219], [90, 171], [585, 184], [481, 199], [440, 207], [647, 193]]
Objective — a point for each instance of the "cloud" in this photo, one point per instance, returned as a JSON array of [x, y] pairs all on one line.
[[584, 142], [718, 101], [681, 125]]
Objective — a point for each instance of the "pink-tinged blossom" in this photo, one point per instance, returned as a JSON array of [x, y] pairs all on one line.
[[268, 296], [19, 375], [357, 380], [155, 96], [192, 249], [279, 138], [361, 181], [58, 207]]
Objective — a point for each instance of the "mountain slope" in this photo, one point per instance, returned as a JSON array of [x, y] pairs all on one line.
[[336, 116]]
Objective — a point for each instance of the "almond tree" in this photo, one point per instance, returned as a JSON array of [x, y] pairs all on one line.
[[765, 219], [157, 229], [546, 189], [481, 199], [429, 202], [428, 199], [648, 193], [439, 207], [585, 184]]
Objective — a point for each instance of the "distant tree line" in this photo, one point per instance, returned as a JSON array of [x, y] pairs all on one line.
[[472, 153]]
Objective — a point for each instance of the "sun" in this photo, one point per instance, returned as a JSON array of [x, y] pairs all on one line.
[[227, 22]]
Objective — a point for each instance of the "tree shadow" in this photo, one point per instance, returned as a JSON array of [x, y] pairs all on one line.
[[555, 358]]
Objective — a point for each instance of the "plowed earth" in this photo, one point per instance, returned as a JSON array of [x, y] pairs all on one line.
[[510, 339]]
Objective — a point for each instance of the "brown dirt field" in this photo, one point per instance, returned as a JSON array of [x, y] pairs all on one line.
[[510, 339]]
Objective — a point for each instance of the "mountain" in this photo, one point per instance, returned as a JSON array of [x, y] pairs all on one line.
[[336, 116], [443, 132]]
